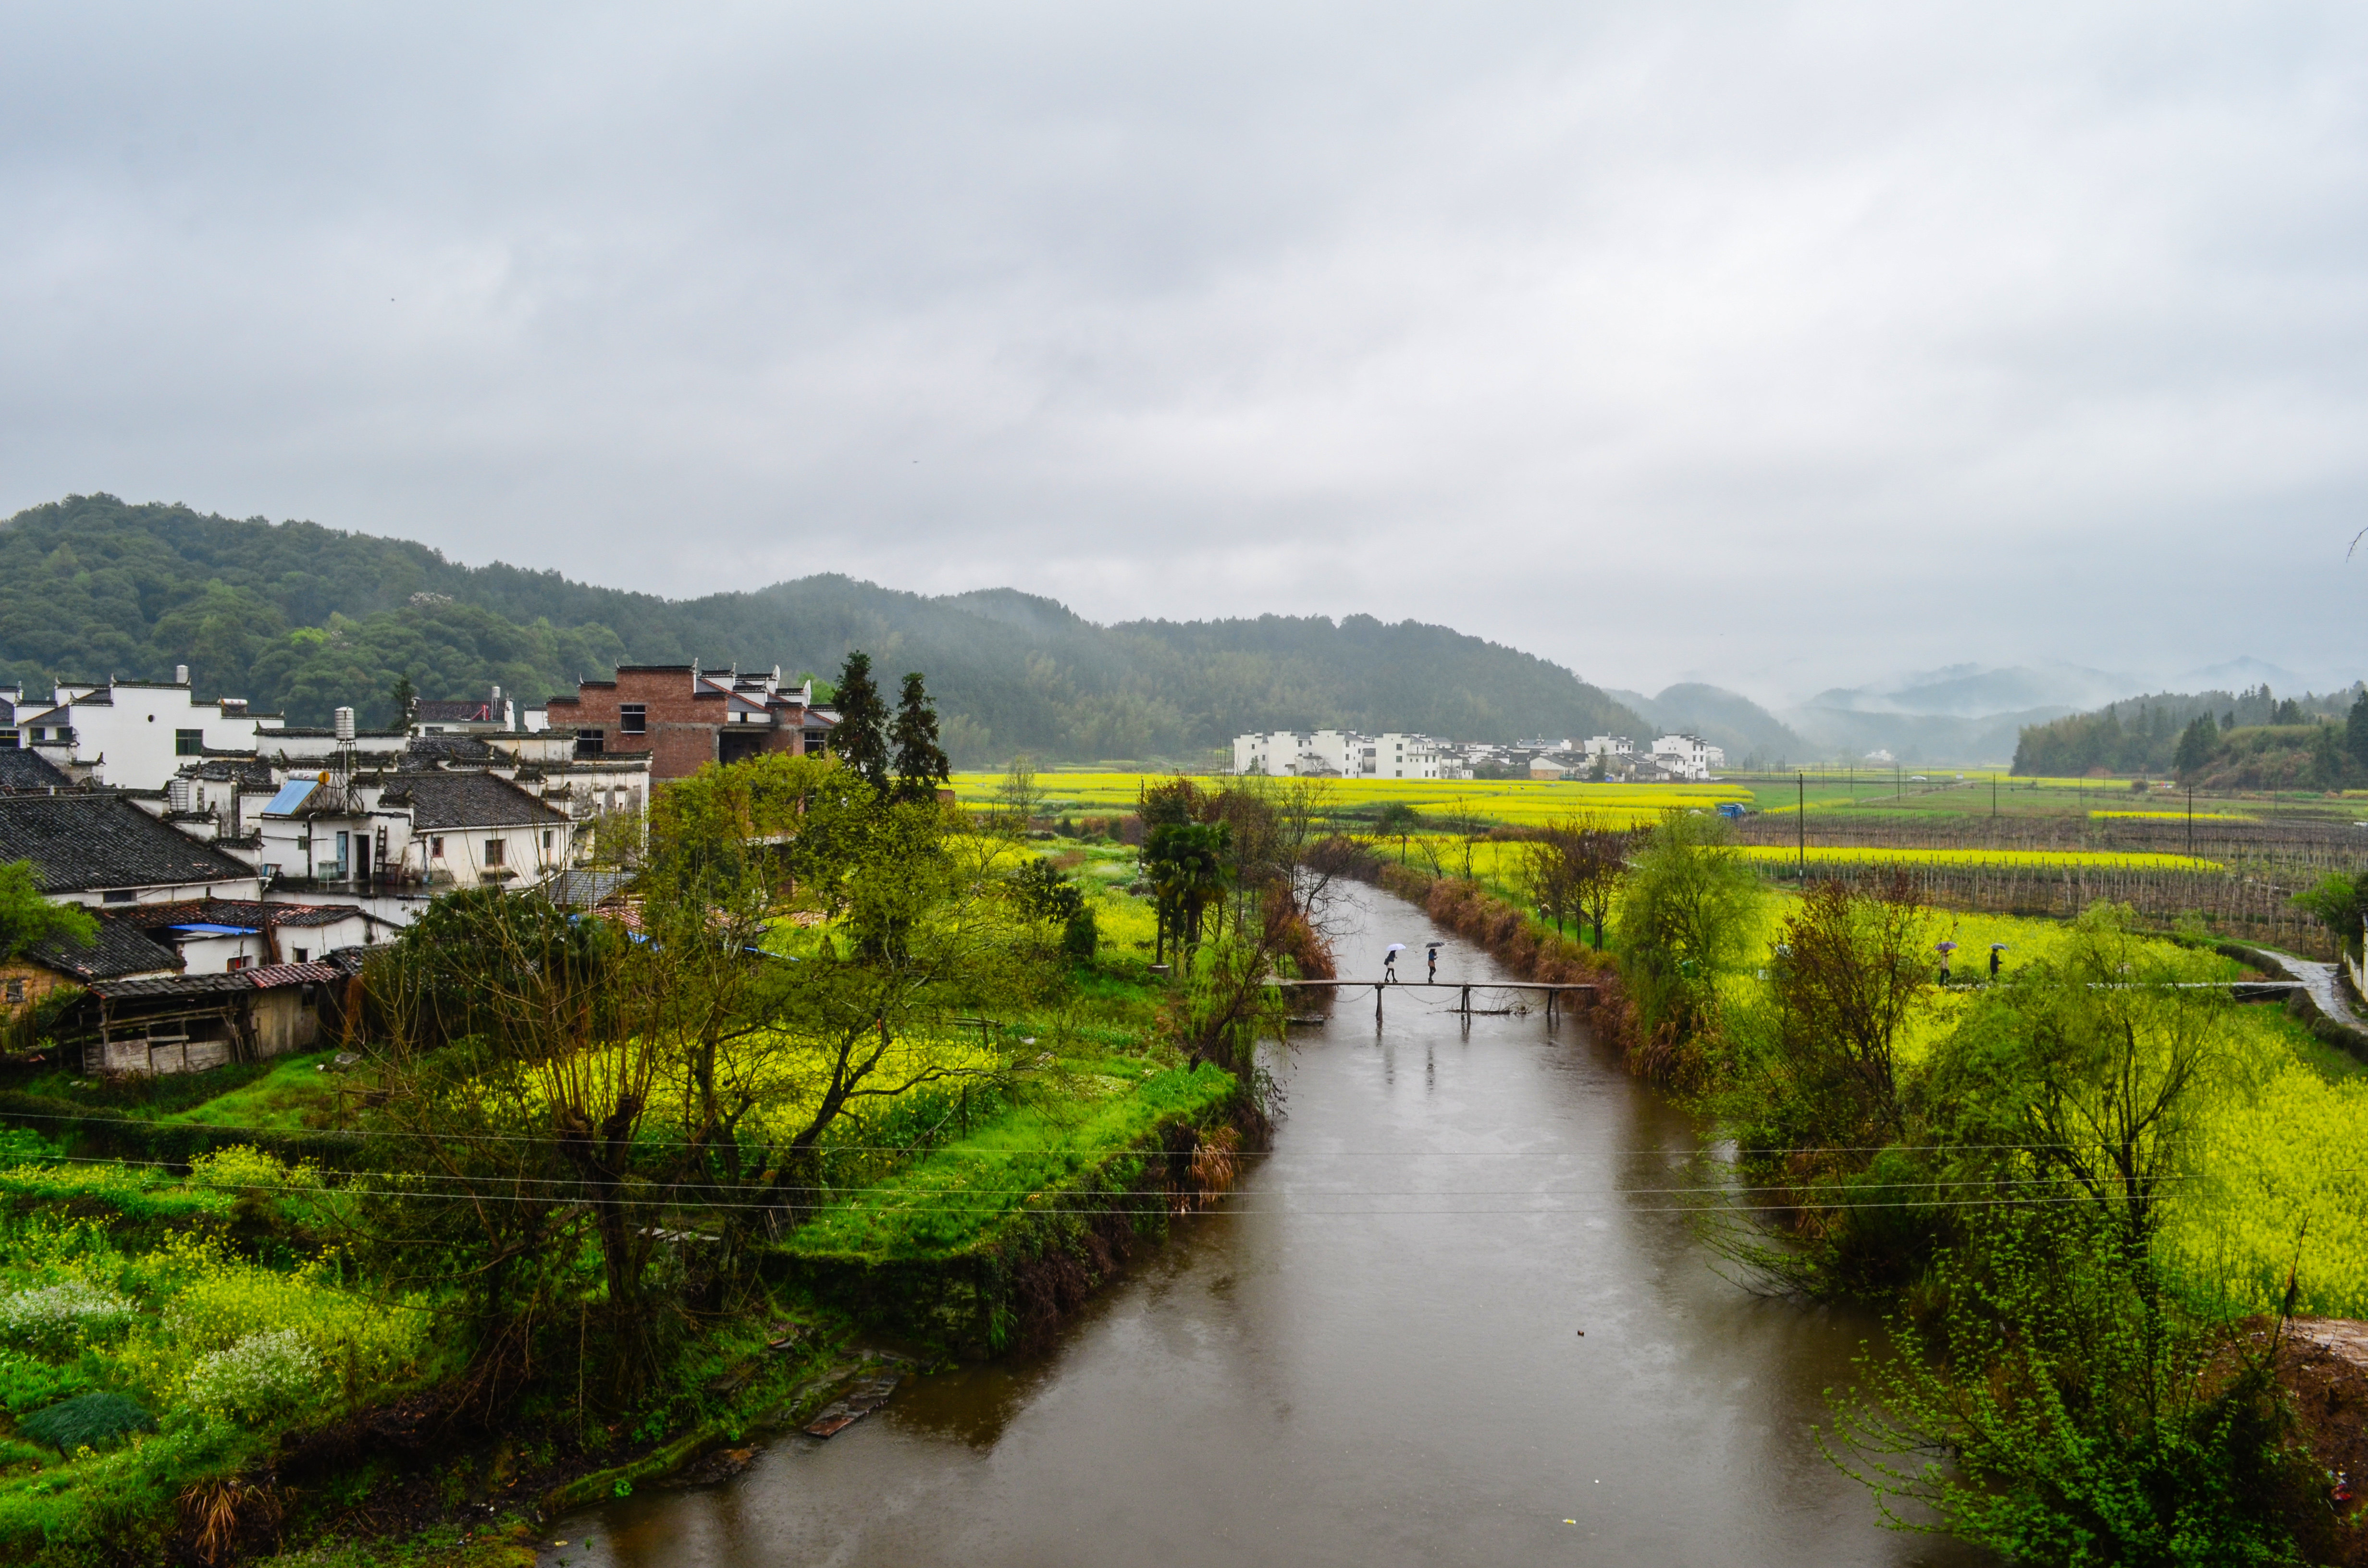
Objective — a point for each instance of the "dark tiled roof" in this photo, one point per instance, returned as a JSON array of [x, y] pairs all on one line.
[[243, 912], [121, 949], [441, 803], [586, 889], [172, 985], [229, 767], [29, 770], [430, 751], [464, 711], [266, 977], [81, 841]]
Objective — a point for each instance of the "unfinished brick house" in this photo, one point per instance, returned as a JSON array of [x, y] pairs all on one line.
[[683, 718]]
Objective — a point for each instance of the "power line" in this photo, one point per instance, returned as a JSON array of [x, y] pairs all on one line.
[[834, 1191], [1156, 1202], [642, 1143]]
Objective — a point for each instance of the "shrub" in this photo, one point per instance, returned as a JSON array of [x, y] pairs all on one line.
[[89, 1421], [58, 1316], [29, 1382], [23, 1146], [262, 1375], [215, 1302]]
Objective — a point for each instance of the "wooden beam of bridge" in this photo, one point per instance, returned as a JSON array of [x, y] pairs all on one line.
[[1554, 990]]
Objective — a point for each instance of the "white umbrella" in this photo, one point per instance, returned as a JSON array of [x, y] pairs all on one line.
[[1397, 946]]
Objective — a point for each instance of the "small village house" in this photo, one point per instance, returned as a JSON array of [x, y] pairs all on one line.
[[134, 733], [683, 719]]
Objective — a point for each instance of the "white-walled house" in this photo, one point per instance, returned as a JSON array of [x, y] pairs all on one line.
[[98, 849], [135, 734], [1344, 753], [1401, 755], [1690, 756], [1300, 753], [474, 830]]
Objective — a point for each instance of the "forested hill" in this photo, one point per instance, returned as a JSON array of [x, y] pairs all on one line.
[[2141, 734], [299, 618]]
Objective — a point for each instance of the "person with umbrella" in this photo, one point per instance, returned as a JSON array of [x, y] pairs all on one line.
[[1430, 951], [1995, 950], [1390, 963], [1945, 949]]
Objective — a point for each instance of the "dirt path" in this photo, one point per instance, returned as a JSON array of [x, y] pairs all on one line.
[[2320, 981]]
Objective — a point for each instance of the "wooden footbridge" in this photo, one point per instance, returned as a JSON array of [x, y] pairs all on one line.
[[1554, 991]]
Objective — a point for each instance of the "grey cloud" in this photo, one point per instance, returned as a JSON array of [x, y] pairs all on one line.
[[1787, 345]]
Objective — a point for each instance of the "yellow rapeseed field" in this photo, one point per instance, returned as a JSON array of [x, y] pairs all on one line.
[[1516, 801]]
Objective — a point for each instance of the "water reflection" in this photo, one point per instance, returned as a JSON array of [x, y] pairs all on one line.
[[1376, 1356]]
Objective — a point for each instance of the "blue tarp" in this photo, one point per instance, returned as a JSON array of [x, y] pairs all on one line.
[[292, 795], [207, 928]]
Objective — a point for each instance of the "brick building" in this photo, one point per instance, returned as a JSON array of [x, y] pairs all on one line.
[[682, 717]]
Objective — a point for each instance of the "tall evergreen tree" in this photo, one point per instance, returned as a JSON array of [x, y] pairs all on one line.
[[920, 761], [861, 738], [2196, 745], [2355, 731]]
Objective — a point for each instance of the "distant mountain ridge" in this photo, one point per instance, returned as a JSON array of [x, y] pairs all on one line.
[[1751, 735], [301, 618]]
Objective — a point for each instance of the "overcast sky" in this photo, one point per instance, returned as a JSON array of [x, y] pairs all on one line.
[[1775, 345]]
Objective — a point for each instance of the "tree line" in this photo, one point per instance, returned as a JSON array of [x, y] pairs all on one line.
[[2173, 732], [304, 619], [2002, 1189]]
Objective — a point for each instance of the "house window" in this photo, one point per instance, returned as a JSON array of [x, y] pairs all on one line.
[[189, 743], [546, 838], [590, 743], [9, 742], [436, 849], [238, 963], [493, 850], [633, 718], [302, 954], [16, 990], [117, 895]]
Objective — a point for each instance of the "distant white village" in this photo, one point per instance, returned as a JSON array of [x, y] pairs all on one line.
[[1345, 754]]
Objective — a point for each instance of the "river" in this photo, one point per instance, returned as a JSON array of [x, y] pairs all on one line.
[[1448, 1320]]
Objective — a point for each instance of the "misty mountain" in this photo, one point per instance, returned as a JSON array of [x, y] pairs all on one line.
[[1974, 691], [302, 619], [1728, 718], [1930, 740]]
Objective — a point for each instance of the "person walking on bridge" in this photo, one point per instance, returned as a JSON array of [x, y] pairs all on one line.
[[1389, 964], [1432, 952]]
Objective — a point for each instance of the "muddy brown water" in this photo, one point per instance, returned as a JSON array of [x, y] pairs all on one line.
[[1372, 1357]]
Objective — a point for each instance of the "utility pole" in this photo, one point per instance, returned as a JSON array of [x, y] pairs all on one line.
[[2191, 821], [1802, 783]]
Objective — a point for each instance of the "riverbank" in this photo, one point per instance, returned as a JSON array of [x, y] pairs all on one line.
[[181, 1232], [1368, 1353]]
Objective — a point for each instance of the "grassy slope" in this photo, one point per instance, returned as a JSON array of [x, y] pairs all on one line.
[[958, 1196]]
